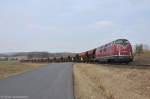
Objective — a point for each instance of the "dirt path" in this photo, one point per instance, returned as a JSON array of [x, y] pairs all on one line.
[[111, 82]]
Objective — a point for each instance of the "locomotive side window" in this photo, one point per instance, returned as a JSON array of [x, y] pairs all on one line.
[[104, 49], [109, 45]]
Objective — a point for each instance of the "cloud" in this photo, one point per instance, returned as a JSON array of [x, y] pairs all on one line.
[[41, 28], [135, 2], [36, 24], [104, 26]]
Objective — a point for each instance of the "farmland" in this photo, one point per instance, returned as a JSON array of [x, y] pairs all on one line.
[[10, 68], [111, 81]]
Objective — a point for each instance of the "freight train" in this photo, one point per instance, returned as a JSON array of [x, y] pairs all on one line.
[[118, 51]]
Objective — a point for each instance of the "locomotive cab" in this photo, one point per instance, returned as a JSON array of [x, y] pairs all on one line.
[[122, 51]]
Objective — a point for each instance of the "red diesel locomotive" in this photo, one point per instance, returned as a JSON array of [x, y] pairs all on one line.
[[117, 51]]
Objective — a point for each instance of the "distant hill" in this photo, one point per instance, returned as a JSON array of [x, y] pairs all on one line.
[[3, 55], [37, 54]]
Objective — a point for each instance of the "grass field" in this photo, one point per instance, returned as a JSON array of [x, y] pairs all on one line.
[[143, 58], [111, 82], [10, 68]]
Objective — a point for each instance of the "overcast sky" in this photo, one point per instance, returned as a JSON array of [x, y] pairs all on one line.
[[71, 25]]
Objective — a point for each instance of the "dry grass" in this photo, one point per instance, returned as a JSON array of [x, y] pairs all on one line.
[[143, 58], [111, 82], [9, 68]]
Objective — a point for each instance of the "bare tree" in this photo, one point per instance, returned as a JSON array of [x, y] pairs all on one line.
[[139, 49]]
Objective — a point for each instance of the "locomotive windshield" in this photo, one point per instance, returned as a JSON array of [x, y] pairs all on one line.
[[122, 41]]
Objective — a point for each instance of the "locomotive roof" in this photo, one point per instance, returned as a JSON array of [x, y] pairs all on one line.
[[103, 46]]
